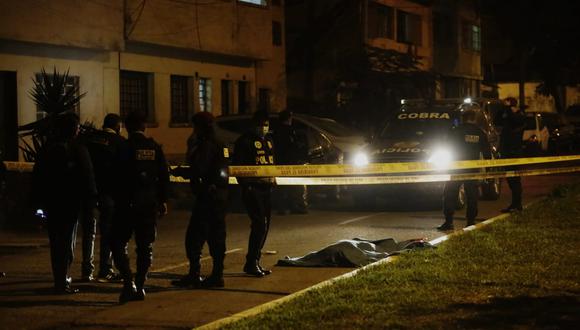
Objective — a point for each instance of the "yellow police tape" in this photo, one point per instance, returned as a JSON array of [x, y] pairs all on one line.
[[398, 179], [383, 168], [343, 174]]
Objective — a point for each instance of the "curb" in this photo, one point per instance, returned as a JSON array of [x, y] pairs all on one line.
[[270, 305]]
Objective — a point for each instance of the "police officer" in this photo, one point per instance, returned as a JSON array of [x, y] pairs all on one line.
[[142, 196], [208, 176], [104, 146], [510, 146], [255, 147], [469, 141], [63, 180], [289, 151]]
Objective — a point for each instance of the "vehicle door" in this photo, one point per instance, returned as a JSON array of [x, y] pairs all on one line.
[[318, 146]]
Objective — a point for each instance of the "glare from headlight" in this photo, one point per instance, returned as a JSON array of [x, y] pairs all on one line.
[[441, 158], [361, 159]]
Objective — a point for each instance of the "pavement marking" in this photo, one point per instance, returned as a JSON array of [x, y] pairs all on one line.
[[183, 264], [270, 305], [346, 222]]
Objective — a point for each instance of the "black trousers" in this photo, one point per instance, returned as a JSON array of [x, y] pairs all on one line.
[[292, 198], [450, 194], [515, 184], [207, 224], [141, 220], [106, 213], [62, 227], [257, 199], [88, 222]]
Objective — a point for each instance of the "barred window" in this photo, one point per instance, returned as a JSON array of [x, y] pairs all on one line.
[[182, 107], [137, 94]]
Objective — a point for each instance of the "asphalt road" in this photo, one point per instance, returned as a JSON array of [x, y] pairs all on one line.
[[25, 293]]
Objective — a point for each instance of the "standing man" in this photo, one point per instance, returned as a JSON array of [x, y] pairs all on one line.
[[469, 141], [63, 180], [255, 147], [104, 147], [289, 151], [141, 197], [510, 146], [208, 175]]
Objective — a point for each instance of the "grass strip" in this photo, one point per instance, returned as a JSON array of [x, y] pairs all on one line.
[[523, 271]]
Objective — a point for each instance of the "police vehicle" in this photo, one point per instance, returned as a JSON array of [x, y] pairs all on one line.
[[417, 133]]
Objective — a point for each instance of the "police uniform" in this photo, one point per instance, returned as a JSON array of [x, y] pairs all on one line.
[[104, 147], [63, 181], [511, 147], [289, 152], [253, 149], [468, 142], [209, 185], [141, 190]]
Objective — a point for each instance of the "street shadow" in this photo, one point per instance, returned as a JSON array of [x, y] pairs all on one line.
[[552, 312], [14, 304]]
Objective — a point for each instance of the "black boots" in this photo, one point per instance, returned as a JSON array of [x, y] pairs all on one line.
[[446, 226], [129, 292], [511, 208], [254, 269], [188, 281]]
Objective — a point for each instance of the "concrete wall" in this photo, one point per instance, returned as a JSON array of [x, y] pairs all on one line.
[[88, 24], [217, 40]]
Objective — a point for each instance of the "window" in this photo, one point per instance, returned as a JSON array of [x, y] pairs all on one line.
[[72, 83], [380, 21], [181, 99], [226, 97], [205, 94], [264, 99], [137, 94], [471, 37], [255, 2], [243, 97], [408, 28], [276, 33]]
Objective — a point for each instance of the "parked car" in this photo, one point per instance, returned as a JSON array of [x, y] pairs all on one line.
[[561, 133], [416, 133], [536, 136], [328, 141], [573, 115]]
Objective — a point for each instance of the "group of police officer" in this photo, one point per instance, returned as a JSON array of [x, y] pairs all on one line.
[[125, 179], [470, 141]]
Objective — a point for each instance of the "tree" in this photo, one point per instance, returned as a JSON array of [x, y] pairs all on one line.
[[53, 94]]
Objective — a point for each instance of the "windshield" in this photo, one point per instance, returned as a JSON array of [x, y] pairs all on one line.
[[410, 125], [332, 127]]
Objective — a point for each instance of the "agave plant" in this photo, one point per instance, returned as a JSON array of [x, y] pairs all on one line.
[[53, 95]]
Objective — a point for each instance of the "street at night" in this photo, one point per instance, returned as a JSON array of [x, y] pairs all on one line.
[[25, 292]]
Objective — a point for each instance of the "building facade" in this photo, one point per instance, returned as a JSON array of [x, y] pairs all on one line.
[[167, 58], [379, 51]]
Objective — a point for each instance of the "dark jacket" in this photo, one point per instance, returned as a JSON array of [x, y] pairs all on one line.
[[469, 142], [253, 149], [143, 176], [289, 149], [511, 133], [104, 147], [207, 162], [63, 177]]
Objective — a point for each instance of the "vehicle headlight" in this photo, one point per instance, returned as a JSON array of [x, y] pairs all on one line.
[[360, 159], [441, 158]]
